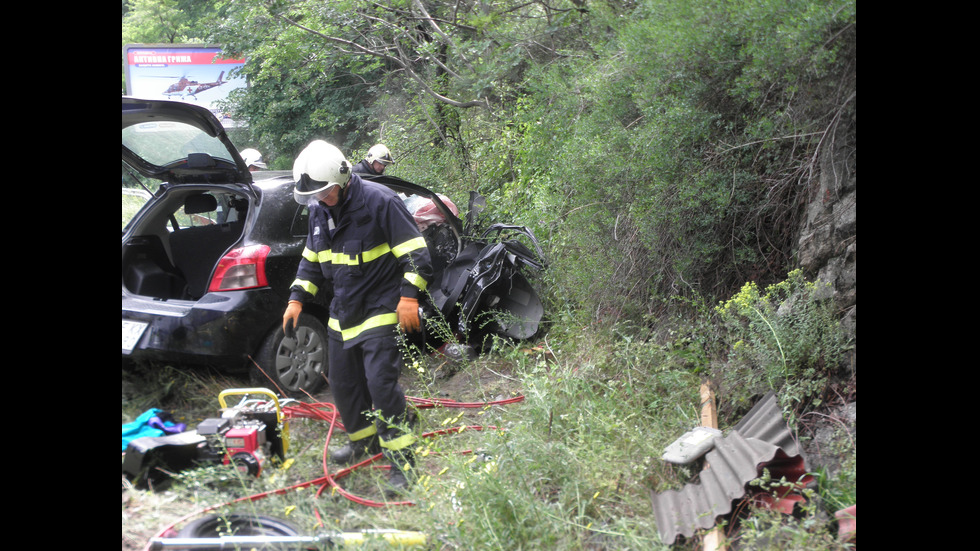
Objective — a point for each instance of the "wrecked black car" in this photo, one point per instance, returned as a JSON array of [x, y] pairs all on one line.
[[208, 260]]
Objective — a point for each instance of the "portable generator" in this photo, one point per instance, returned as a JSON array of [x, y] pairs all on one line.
[[245, 436]]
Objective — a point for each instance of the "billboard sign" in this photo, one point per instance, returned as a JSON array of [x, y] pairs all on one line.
[[183, 72]]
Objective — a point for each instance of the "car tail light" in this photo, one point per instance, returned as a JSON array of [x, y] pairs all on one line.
[[241, 268]]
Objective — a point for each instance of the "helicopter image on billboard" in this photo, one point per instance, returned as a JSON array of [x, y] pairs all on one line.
[[186, 87]]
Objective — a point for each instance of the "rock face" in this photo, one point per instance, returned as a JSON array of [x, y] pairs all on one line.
[[827, 244]]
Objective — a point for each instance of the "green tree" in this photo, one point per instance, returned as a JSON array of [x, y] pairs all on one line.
[[155, 21], [428, 60]]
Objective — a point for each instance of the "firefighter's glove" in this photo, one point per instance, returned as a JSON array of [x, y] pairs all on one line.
[[408, 314], [291, 318]]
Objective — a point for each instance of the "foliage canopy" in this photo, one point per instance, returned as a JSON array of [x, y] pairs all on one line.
[[658, 148]]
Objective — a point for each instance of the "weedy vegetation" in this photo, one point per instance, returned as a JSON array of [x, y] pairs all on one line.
[[573, 465]]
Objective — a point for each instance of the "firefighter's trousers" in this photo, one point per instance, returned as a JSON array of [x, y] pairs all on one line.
[[363, 378]]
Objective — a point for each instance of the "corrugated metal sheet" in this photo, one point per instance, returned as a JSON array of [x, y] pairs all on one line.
[[765, 422], [760, 440]]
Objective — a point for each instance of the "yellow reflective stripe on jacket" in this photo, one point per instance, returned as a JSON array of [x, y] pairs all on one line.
[[366, 256], [373, 254], [366, 432], [408, 246], [306, 285], [310, 255], [416, 279], [399, 443], [370, 323], [320, 257]]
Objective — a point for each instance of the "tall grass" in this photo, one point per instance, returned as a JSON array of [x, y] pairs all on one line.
[[572, 470], [191, 393]]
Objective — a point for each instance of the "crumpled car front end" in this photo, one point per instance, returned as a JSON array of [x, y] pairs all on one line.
[[485, 290]]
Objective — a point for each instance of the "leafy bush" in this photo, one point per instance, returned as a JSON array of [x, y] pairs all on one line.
[[787, 339]]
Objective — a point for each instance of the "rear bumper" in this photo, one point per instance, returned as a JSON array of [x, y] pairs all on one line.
[[221, 328]]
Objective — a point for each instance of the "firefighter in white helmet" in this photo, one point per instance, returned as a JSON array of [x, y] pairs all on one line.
[[253, 159], [377, 159], [365, 250]]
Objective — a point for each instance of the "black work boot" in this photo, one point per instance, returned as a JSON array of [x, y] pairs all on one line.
[[356, 451], [402, 472]]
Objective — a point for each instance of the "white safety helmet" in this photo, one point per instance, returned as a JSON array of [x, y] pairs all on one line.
[[317, 168], [381, 154], [252, 158]]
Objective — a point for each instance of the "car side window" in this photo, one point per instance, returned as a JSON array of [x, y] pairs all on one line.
[[301, 222]]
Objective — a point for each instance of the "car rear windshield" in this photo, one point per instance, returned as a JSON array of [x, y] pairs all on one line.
[[162, 143]]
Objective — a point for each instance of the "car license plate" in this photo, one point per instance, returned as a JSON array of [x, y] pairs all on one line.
[[131, 333]]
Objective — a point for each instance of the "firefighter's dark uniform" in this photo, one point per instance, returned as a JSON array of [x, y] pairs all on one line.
[[369, 252], [364, 167]]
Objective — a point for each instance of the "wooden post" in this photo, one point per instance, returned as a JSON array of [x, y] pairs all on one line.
[[713, 540], [709, 413]]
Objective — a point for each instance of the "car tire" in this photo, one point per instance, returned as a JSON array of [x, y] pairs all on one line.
[[298, 365], [214, 526]]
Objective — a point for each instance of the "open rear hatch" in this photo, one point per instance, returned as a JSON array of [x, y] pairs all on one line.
[[172, 245]]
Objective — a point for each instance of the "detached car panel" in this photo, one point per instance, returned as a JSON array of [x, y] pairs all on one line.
[[208, 261]]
